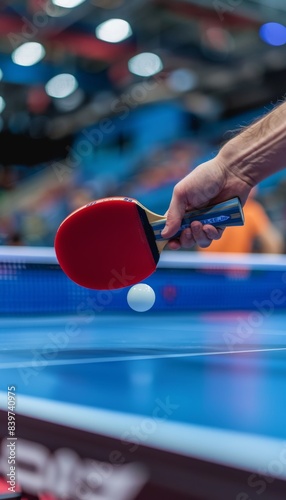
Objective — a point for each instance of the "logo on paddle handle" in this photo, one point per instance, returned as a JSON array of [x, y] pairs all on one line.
[[216, 220], [211, 220]]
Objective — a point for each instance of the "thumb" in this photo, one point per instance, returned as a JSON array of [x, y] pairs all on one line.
[[175, 214]]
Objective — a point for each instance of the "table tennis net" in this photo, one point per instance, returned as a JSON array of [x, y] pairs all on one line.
[[32, 282]]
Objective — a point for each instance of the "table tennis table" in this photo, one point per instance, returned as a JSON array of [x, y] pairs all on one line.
[[186, 401]]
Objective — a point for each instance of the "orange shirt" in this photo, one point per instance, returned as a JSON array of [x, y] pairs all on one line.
[[240, 239]]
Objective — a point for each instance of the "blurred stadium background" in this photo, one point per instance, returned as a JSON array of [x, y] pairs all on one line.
[[117, 97]]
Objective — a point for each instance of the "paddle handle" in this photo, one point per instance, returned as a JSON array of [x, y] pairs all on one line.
[[226, 213]]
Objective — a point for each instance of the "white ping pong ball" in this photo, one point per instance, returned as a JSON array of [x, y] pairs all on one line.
[[141, 297]]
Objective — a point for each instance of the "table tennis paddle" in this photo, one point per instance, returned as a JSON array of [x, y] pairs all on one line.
[[116, 242]]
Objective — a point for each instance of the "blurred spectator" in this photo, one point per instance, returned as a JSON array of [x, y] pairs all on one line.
[[258, 234]]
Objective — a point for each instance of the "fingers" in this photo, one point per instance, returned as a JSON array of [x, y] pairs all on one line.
[[186, 241], [196, 234], [204, 235], [173, 245], [175, 213]]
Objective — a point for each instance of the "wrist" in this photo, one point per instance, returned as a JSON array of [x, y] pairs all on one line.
[[239, 162]]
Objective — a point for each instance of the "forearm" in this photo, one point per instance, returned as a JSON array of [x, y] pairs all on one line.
[[260, 150]]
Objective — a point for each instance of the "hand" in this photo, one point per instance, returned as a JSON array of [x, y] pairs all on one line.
[[209, 183]]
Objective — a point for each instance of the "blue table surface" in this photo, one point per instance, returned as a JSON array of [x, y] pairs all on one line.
[[225, 370]]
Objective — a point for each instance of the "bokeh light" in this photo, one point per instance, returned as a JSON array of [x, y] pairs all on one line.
[[145, 64], [113, 30], [28, 53], [273, 33]]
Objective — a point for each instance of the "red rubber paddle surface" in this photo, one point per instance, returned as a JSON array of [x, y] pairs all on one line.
[[103, 246]]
